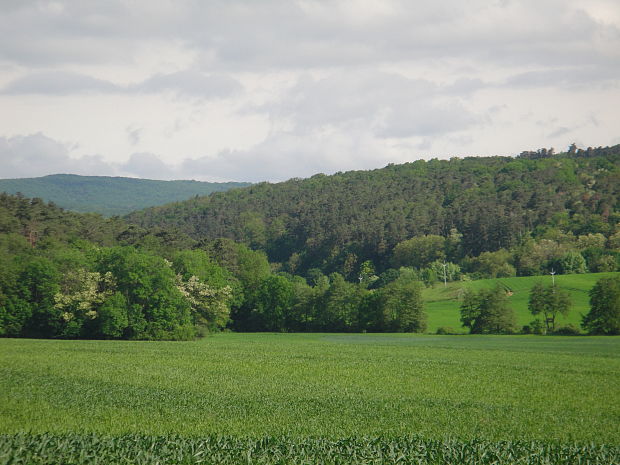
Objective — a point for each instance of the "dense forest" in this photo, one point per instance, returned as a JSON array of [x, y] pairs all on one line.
[[110, 195], [525, 213], [348, 252]]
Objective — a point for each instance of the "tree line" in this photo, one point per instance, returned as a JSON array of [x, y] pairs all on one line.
[[289, 265]]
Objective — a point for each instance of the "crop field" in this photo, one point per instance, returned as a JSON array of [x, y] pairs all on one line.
[[442, 303], [312, 398]]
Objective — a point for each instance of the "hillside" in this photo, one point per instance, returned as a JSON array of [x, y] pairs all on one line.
[[442, 303], [475, 204], [110, 195]]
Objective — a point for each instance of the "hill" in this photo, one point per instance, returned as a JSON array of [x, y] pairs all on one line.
[[442, 302], [476, 204], [110, 195]]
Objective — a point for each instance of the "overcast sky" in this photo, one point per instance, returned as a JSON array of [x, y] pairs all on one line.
[[272, 89]]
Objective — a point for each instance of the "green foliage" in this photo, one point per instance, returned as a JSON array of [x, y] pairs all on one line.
[[571, 263], [139, 449], [604, 315], [340, 305], [415, 213], [157, 309], [549, 301], [113, 321], [271, 304], [419, 252], [493, 264], [402, 306], [39, 284], [487, 311]]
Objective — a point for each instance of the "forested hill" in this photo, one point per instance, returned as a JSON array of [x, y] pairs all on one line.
[[109, 195], [475, 204]]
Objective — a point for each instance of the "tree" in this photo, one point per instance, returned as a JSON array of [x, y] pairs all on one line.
[[341, 303], [487, 311], [402, 306], [210, 305], [112, 319], [494, 264], [571, 263], [604, 315], [419, 251], [39, 284], [273, 301], [548, 301], [82, 293], [156, 309]]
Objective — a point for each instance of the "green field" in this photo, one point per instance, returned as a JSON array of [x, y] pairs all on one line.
[[442, 303], [559, 391]]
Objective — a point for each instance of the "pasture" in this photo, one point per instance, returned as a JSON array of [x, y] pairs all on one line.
[[442, 303]]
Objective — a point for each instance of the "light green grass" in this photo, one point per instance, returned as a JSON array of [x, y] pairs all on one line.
[[318, 385], [442, 303]]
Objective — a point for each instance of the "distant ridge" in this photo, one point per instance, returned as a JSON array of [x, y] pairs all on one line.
[[110, 196]]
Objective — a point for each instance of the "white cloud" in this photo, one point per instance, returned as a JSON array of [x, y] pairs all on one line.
[[233, 89]]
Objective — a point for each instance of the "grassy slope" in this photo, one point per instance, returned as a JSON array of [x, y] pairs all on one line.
[[109, 195], [307, 385], [442, 303]]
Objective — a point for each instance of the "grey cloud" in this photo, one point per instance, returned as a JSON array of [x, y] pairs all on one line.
[[388, 105], [283, 34], [284, 155], [58, 83], [186, 83], [147, 165], [191, 83], [133, 134], [560, 132], [426, 118], [575, 76], [38, 155]]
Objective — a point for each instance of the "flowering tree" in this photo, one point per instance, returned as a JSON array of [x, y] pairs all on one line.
[[82, 293], [210, 305]]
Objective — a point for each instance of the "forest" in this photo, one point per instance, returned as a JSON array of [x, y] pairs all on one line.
[[109, 195], [343, 253]]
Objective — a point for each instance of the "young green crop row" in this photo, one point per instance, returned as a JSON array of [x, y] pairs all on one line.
[[51, 449]]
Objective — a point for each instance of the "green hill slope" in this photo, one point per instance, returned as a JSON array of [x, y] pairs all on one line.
[[442, 303], [337, 222], [110, 195]]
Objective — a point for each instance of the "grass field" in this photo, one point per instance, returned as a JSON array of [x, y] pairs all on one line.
[[314, 390], [442, 303]]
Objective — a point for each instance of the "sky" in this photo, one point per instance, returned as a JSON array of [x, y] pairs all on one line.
[[267, 90]]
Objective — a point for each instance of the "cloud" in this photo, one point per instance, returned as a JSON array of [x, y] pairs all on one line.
[[39, 155], [147, 165], [133, 134], [284, 34], [384, 104], [574, 76], [58, 83], [185, 83], [191, 83]]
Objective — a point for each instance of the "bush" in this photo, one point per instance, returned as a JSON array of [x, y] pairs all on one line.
[[536, 327], [568, 330], [443, 330]]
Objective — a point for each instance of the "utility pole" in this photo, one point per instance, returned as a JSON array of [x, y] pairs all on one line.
[[445, 279]]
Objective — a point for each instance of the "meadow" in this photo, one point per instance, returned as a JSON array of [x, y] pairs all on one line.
[[442, 302], [287, 398]]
